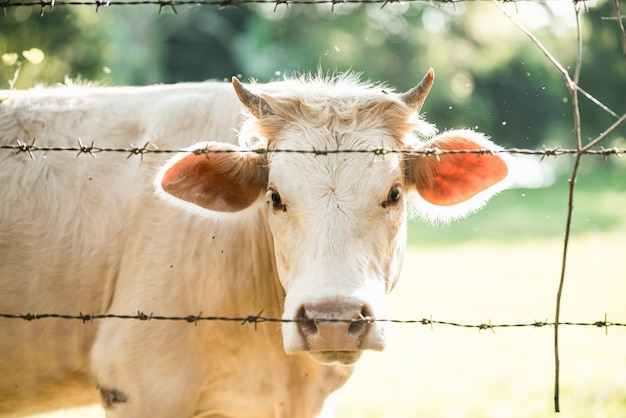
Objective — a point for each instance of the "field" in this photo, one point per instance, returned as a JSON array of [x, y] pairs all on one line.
[[506, 270], [502, 266], [447, 372]]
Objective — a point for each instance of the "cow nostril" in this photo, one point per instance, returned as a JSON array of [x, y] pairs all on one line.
[[361, 323], [307, 325], [357, 328]]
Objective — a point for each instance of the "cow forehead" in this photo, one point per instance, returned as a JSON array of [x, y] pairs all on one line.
[[335, 103], [333, 122], [344, 138], [320, 156], [338, 190], [337, 161]]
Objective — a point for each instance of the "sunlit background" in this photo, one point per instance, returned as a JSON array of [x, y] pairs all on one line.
[[489, 75], [501, 264]]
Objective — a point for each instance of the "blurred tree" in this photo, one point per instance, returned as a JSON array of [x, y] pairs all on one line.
[[201, 46], [604, 74], [68, 37]]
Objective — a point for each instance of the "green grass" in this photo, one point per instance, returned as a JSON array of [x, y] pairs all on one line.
[[526, 214]]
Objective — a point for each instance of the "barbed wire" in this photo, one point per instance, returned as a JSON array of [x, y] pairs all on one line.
[[259, 318], [149, 148], [51, 4], [591, 148]]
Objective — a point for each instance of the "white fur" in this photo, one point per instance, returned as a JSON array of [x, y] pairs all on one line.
[[83, 234], [90, 235]]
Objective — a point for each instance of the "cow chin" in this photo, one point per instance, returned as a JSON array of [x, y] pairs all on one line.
[[329, 357]]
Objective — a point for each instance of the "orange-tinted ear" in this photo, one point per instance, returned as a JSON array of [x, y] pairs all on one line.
[[450, 179], [223, 182]]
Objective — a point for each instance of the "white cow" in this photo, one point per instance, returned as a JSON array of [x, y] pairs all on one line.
[[308, 238]]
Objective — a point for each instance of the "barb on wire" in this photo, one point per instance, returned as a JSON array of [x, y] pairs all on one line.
[[99, 3], [30, 148], [170, 3], [85, 149], [24, 147], [138, 151]]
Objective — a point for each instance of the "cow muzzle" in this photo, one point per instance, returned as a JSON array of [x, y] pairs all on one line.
[[336, 331]]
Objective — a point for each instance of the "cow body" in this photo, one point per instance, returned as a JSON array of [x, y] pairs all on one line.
[[90, 235]]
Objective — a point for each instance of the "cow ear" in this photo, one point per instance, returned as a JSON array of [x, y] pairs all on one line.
[[460, 182], [225, 181]]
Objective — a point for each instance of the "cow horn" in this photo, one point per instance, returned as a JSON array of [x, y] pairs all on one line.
[[254, 103], [415, 97]]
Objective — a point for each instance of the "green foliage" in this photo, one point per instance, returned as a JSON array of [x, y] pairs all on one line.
[[489, 75], [67, 37]]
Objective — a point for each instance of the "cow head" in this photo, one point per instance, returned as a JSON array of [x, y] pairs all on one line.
[[337, 217]]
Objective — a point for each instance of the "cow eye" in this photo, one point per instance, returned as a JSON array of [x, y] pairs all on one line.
[[277, 201], [393, 197]]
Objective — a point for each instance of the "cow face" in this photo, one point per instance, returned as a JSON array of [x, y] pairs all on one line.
[[337, 217], [339, 225]]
